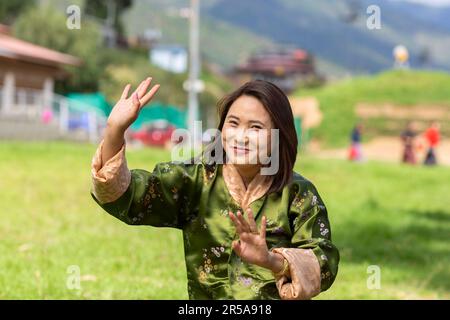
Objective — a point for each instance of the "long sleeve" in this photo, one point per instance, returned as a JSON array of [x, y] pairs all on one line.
[[111, 180], [313, 259], [162, 198]]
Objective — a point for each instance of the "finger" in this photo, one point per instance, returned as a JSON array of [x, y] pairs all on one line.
[[138, 88], [126, 91], [239, 226], [144, 87], [244, 224], [145, 99], [262, 232], [251, 221], [233, 219], [236, 246], [236, 222], [135, 100]]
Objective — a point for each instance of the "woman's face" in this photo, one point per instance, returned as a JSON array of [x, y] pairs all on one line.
[[246, 132]]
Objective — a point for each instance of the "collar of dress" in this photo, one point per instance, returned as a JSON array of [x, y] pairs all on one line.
[[256, 189]]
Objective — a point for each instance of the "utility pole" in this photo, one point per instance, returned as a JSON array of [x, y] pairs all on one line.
[[110, 22], [194, 86]]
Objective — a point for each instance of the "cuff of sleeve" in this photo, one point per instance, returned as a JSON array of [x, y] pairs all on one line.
[[304, 274], [111, 180]]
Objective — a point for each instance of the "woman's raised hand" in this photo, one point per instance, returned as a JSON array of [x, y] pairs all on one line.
[[127, 109], [251, 247]]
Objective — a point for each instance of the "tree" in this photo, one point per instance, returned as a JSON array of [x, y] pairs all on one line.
[[10, 9], [99, 9], [46, 26]]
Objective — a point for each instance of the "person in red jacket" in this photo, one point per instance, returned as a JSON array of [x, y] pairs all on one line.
[[432, 136]]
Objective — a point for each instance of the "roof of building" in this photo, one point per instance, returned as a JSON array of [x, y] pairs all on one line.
[[17, 49], [290, 61]]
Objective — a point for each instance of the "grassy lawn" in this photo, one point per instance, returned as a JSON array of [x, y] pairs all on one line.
[[392, 216]]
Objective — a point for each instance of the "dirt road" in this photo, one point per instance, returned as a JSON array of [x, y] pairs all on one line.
[[383, 149]]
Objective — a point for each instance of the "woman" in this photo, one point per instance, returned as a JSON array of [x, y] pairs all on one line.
[[355, 152], [219, 206], [408, 136]]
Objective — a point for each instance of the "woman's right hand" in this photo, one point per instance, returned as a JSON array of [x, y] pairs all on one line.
[[124, 113], [127, 109]]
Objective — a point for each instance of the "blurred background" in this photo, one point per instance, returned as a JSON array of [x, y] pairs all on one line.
[[369, 86]]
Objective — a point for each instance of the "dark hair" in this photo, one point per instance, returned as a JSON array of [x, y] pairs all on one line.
[[277, 105]]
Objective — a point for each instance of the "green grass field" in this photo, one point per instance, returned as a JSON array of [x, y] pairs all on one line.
[[393, 216]]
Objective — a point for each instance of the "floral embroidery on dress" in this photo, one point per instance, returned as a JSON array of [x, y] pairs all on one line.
[[279, 230], [314, 200], [208, 265], [245, 281], [270, 223], [298, 202], [309, 210], [166, 168], [254, 285], [322, 228], [242, 280], [201, 221], [139, 217], [208, 173], [256, 288], [306, 214], [152, 191], [224, 212]]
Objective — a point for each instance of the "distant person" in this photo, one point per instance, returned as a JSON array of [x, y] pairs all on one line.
[[408, 138], [47, 116], [355, 153], [432, 136]]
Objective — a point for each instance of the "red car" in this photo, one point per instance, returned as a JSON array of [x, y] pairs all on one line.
[[157, 133]]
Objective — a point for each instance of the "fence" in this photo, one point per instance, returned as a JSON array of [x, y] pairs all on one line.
[[71, 118]]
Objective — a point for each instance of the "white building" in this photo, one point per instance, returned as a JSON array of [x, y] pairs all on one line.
[[172, 58]]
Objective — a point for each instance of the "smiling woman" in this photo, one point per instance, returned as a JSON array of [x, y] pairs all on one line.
[[247, 235], [246, 139]]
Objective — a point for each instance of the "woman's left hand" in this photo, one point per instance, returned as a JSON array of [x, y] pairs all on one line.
[[252, 247]]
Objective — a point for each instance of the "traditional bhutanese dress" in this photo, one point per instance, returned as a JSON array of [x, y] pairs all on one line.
[[197, 198]]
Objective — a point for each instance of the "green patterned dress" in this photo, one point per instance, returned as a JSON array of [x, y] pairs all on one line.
[[194, 198]]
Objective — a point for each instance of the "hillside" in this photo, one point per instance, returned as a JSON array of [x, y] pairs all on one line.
[[400, 89], [222, 43], [233, 29], [321, 27]]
